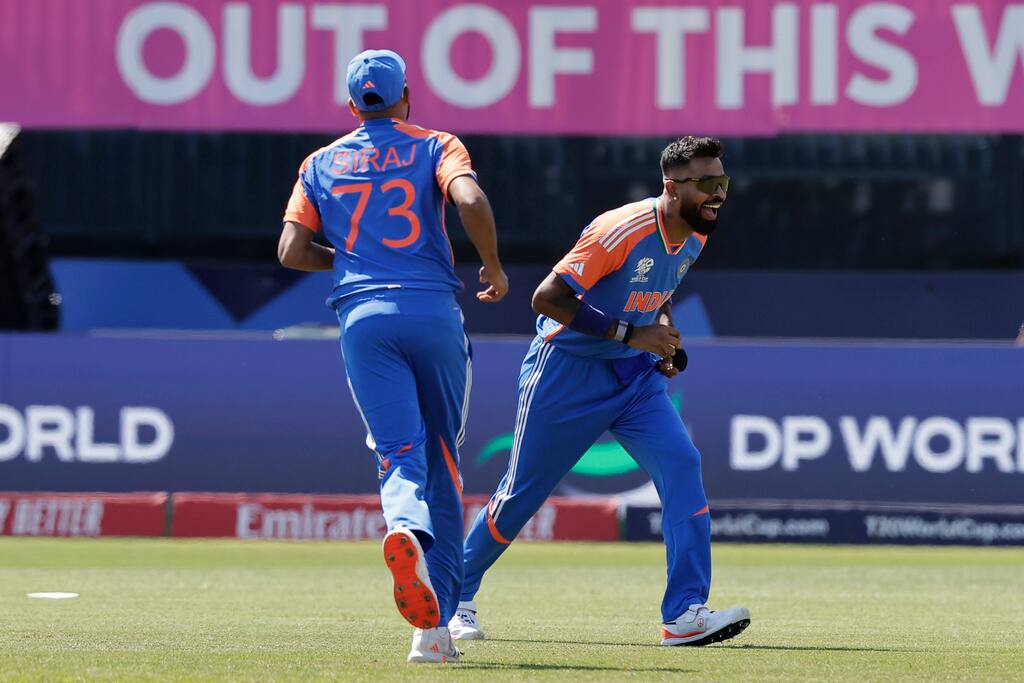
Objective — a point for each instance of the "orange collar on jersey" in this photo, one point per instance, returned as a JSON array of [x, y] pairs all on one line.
[[670, 248]]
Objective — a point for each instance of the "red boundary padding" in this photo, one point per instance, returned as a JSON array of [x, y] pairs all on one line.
[[356, 517], [277, 516], [83, 514], [564, 519]]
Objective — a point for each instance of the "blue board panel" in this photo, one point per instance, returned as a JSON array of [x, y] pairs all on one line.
[[921, 305], [927, 423], [755, 522]]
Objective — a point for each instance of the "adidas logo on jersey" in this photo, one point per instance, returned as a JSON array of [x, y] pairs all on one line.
[[643, 266], [577, 268]]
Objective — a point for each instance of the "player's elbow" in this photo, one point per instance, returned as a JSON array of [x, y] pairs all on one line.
[[541, 301], [287, 253], [555, 299], [474, 204], [467, 195]]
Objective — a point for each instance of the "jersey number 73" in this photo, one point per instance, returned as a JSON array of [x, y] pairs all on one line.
[[364, 191]]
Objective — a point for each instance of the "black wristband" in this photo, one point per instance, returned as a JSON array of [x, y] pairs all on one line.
[[628, 333]]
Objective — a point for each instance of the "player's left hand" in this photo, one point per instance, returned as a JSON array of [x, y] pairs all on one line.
[[670, 367], [498, 281], [666, 368]]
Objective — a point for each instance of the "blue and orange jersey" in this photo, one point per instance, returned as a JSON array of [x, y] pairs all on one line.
[[378, 194], [623, 265]]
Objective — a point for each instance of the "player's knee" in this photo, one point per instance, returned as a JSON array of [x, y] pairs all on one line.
[[678, 472], [413, 449], [682, 460]]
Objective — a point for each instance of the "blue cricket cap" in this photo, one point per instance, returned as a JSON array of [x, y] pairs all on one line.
[[380, 73]]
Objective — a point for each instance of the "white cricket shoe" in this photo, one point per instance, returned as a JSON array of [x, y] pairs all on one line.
[[464, 625], [414, 595], [433, 646], [700, 626]]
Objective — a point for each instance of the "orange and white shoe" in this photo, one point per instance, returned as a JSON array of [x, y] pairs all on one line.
[[433, 646], [700, 626], [414, 595]]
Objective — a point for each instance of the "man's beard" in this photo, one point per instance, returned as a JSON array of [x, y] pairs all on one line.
[[693, 218]]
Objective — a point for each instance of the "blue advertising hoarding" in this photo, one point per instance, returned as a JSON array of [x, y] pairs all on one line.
[[930, 423], [844, 522]]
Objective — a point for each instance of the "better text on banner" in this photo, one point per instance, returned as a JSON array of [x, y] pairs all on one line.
[[82, 514]]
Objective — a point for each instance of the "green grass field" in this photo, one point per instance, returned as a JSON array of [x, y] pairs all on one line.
[[228, 610]]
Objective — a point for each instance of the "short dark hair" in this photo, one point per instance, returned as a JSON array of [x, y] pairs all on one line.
[[680, 152]]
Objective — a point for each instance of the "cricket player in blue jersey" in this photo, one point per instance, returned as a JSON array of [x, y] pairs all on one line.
[[378, 195], [600, 362]]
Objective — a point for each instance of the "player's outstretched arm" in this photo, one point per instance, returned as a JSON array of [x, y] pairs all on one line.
[[558, 301], [297, 250], [478, 221]]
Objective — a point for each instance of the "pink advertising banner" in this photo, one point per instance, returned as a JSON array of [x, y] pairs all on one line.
[[623, 67]]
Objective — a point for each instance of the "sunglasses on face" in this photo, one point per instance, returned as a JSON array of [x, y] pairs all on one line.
[[707, 184]]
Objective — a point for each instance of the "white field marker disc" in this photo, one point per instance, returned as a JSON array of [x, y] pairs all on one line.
[[53, 596]]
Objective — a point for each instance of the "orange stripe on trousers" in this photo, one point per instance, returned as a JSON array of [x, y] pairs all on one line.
[[492, 527], [453, 469]]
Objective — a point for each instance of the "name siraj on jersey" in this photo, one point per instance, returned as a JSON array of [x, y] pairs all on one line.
[[361, 160]]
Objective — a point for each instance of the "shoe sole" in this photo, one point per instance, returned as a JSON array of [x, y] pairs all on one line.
[[423, 659], [469, 635], [414, 596], [725, 633]]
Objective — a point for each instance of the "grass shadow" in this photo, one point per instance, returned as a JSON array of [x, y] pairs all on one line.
[[570, 642], [508, 666], [729, 646], [815, 648]]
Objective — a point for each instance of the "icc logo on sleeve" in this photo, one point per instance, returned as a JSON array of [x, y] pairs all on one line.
[[683, 267]]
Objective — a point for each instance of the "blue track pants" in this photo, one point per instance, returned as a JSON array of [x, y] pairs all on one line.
[[408, 363], [566, 402]]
